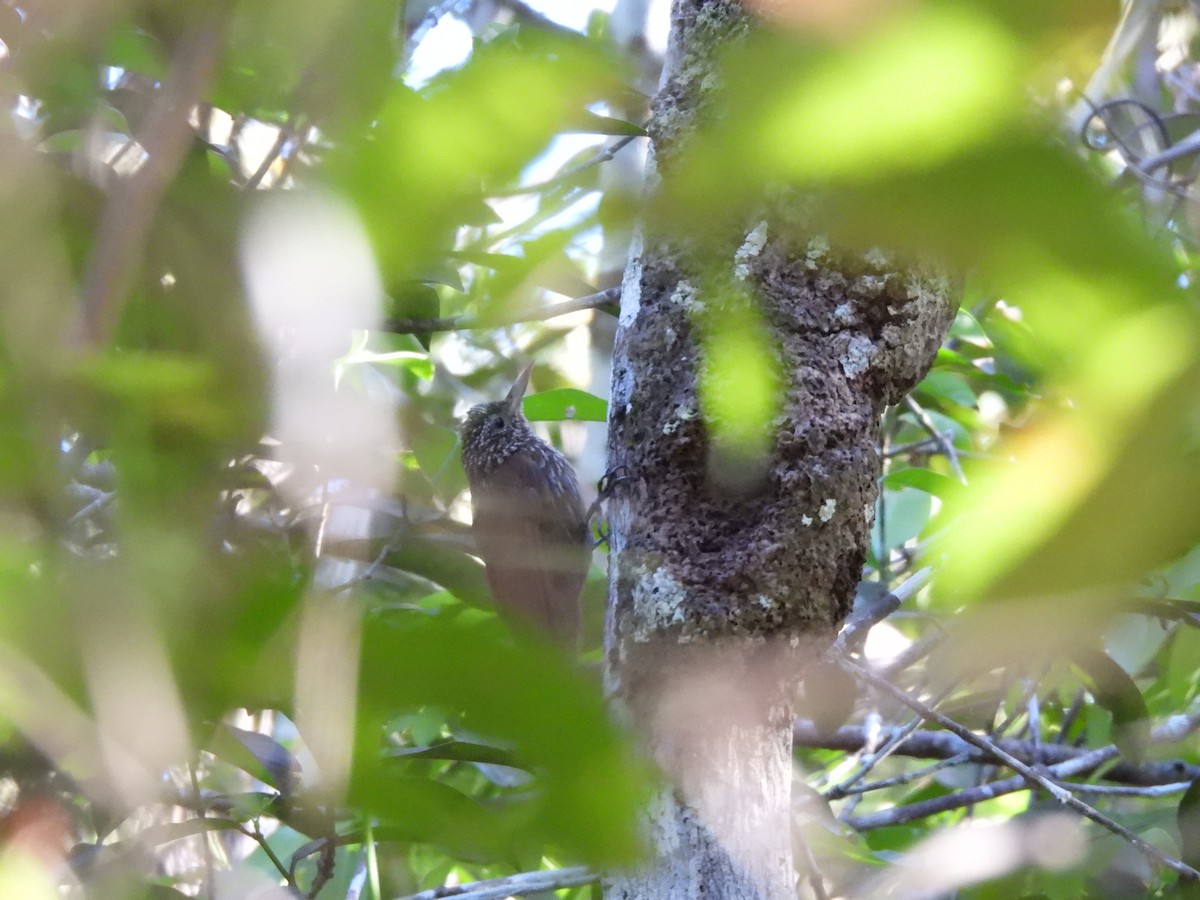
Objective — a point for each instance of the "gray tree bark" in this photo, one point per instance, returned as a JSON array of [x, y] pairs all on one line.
[[717, 597]]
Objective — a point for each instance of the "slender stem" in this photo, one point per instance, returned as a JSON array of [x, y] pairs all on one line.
[[536, 314], [202, 812], [256, 835], [372, 859]]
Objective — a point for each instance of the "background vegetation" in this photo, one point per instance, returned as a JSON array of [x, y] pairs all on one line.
[[255, 264]]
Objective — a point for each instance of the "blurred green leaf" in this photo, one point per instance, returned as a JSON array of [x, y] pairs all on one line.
[[259, 754], [591, 123], [446, 565], [924, 480], [431, 154], [1116, 692], [1125, 453], [136, 50], [946, 387], [565, 404], [1189, 825], [526, 696], [739, 386], [959, 63], [462, 751], [900, 516]]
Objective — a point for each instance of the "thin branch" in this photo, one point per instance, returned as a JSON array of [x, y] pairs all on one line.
[[520, 885], [132, 203], [815, 881], [536, 314], [1121, 790], [946, 446], [923, 809], [281, 140], [862, 621], [1072, 712], [607, 154], [908, 777], [1059, 793], [943, 746], [893, 743], [924, 445], [914, 652], [1187, 611], [325, 868], [256, 835]]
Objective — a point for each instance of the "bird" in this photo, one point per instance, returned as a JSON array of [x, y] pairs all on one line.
[[529, 520]]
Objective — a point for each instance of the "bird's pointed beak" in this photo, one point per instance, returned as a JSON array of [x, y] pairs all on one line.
[[517, 393]]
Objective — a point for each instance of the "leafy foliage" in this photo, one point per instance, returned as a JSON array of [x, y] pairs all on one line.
[[227, 650]]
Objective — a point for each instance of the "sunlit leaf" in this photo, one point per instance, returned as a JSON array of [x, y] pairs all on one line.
[[918, 91], [1122, 454]]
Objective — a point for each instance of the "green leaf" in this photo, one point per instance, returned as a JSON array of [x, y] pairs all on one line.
[[524, 696], [137, 51], [947, 388], [1115, 691], [590, 123], [431, 155], [1182, 675], [1188, 819], [259, 754], [565, 404], [416, 362], [460, 751], [958, 61], [446, 565], [924, 480], [1102, 491], [903, 516]]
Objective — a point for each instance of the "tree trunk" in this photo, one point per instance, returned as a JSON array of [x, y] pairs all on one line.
[[717, 597]]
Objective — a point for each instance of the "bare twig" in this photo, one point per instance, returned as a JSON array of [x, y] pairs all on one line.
[[602, 156], [536, 314], [1025, 772], [281, 139], [924, 445], [815, 881], [913, 812], [947, 747], [1124, 790], [945, 445], [256, 835], [862, 621], [908, 777], [1187, 611], [325, 867], [519, 885], [894, 741]]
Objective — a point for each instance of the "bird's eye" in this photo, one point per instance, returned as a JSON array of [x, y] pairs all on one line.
[[497, 423]]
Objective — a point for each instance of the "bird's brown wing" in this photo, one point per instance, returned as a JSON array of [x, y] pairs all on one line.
[[531, 532]]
